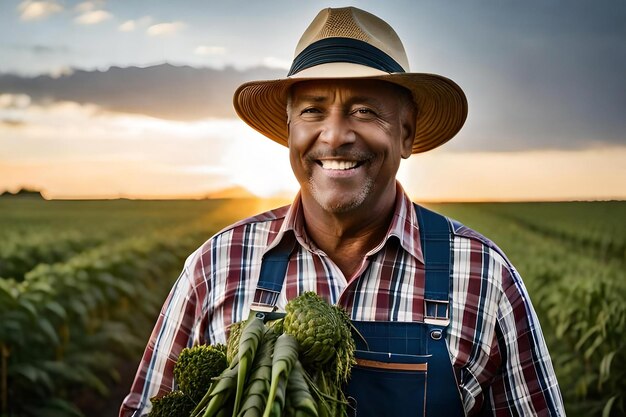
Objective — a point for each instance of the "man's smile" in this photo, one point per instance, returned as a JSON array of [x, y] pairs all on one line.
[[338, 164]]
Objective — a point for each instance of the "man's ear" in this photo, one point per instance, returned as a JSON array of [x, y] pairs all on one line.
[[408, 134], [408, 120]]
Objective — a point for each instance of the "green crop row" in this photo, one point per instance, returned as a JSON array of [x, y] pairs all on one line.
[[578, 295], [46, 232], [19, 254], [598, 226], [67, 325]]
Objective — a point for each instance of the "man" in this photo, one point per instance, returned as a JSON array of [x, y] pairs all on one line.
[[449, 327]]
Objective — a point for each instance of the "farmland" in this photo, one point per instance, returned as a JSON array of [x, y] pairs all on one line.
[[81, 283]]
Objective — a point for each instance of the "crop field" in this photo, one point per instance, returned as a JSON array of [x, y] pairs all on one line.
[[81, 284]]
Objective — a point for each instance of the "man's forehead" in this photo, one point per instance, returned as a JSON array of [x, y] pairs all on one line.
[[321, 90]]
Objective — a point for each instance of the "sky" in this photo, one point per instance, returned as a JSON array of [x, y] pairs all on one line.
[[112, 98]]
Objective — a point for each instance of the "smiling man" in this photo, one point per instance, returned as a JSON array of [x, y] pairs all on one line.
[[448, 328]]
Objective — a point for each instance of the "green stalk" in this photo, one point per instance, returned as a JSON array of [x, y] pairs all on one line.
[[285, 356], [299, 394], [250, 339], [259, 381]]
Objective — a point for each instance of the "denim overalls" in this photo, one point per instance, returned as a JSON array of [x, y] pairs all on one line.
[[403, 369]]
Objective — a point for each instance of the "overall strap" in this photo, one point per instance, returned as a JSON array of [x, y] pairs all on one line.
[[435, 240], [272, 276]]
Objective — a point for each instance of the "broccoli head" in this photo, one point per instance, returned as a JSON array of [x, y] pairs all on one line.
[[196, 367], [172, 404]]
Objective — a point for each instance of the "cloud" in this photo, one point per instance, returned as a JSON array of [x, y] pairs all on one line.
[[37, 49], [62, 71], [93, 17], [127, 26], [133, 24], [37, 10], [272, 62], [11, 123], [88, 6], [163, 91], [46, 49], [164, 29], [204, 50], [11, 108], [14, 101]]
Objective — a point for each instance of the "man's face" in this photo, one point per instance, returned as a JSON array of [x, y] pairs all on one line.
[[346, 139]]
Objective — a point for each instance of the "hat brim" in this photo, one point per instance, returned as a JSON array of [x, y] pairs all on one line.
[[442, 105]]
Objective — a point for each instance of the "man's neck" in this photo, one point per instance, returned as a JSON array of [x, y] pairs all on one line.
[[347, 237]]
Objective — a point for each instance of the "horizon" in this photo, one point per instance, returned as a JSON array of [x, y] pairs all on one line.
[[147, 113], [236, 193]]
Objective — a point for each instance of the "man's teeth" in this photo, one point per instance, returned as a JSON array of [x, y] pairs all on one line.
[[342, 165]]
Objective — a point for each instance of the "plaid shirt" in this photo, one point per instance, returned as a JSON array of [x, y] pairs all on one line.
[[494, 338]]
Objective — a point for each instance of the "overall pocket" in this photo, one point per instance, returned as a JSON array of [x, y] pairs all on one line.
[[389, 385]]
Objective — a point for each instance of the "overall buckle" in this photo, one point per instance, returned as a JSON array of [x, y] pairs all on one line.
[[436, 312]]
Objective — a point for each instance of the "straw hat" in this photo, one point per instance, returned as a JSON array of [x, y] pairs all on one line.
[[351, 43]]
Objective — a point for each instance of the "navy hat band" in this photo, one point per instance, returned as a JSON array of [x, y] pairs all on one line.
[[354, 51]]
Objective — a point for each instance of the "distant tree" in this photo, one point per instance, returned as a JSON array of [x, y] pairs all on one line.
[[22, 193]]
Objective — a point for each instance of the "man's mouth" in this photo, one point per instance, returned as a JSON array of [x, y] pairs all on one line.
[[339, 165]]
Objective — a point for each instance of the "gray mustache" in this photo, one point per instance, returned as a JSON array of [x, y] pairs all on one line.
[[338, 154]]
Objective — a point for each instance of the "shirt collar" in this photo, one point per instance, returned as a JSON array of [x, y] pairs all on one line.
[[404, 226]]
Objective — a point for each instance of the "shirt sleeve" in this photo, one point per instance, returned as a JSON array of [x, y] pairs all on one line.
[[526, 384], [172, 333]]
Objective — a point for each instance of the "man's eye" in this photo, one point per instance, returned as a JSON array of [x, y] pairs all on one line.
[[310, 110], [364, 112]]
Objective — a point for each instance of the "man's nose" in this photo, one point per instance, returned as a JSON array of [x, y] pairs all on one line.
[[337, 130]]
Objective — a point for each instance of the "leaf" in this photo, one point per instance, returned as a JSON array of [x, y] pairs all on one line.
[[78, 307], [586, 336], [591, 349], [47, 328], [61, 371], [27, 371], [90, 379], [57, 309], [33, 375], [606, 411], [605, 367], [28, 306]]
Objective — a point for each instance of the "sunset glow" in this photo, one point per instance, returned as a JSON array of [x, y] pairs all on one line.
[[74, 151]]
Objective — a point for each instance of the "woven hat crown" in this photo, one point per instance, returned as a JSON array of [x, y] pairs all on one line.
[[353, 23]]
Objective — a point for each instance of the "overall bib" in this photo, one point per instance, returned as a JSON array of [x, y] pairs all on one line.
[[403, 369]]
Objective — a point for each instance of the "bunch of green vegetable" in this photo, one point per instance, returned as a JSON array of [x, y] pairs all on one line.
[[293, 366]]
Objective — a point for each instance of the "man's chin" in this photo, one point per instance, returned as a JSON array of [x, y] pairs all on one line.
[[341, 203], [339, 207]]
